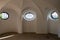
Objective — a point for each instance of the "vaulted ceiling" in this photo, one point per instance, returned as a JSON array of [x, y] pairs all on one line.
[[45, 5], [55, 3]]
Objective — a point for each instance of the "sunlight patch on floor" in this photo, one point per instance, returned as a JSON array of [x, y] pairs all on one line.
[[6, 37]]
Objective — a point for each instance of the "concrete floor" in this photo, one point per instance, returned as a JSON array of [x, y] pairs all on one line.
[[31, 36]]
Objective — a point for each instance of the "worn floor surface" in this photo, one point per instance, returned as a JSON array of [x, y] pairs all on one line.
[[26, 36]]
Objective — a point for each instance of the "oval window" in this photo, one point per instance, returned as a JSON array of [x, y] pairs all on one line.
[[54, 15], [4, 15], [29, 15]]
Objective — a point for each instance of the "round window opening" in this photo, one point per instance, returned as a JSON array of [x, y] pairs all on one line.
[[4, 15], [54, 15], [29, 15]]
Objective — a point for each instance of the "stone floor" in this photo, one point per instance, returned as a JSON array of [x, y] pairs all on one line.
[[30, 36]]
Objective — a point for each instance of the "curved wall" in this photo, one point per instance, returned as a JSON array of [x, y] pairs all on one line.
[[13, 24], [16, 23], [9, 25], [38, 24], [45, 6]]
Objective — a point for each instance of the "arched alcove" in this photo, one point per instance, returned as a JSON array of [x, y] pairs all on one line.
[[38, 25], [15, 12], [9, 25], [53, 21], [30, 23]]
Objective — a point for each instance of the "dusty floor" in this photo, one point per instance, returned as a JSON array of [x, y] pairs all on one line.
[[26, 36]]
